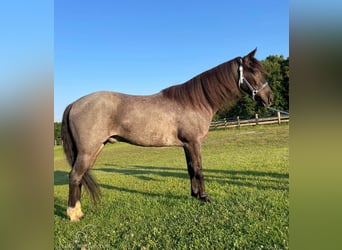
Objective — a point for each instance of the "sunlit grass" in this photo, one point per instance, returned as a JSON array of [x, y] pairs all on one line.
[[146, 200]]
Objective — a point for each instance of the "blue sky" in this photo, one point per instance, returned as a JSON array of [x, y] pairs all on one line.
[[141, 47]]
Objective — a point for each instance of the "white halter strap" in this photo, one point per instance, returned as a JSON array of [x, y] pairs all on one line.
[[242, 80]]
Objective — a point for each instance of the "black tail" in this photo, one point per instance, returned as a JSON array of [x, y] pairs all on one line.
[[70, 151], [93, 188], [69, 146]]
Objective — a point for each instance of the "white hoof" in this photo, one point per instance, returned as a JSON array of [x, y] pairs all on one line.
[[75, 213]]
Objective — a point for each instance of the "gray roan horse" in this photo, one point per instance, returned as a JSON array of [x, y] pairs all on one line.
[[177, 116]]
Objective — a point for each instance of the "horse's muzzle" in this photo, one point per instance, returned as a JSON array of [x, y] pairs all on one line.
[[264, 98]]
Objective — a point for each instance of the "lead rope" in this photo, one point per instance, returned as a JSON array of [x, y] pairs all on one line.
[[280, 111]]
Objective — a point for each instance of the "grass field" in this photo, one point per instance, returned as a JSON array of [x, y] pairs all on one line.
[[146, 202]]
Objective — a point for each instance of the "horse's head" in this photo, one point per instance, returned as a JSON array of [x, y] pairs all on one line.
[[251, 80]]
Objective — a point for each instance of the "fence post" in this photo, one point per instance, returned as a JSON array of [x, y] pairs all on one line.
[[256, 119], [238, 121], [278, 114]]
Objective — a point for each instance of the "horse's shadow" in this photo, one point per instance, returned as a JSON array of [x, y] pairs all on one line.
[[61, 177], [247, 178], [60, 209], [234, 177], [254, 179], [145, 172]]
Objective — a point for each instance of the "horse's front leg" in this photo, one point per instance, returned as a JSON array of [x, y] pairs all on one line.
[[194, 163]]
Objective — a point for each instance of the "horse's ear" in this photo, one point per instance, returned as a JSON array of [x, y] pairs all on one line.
[[252, 53], [250, 56]]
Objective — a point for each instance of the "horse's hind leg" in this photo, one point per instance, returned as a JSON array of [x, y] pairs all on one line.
[[82, 164], [75, 183]]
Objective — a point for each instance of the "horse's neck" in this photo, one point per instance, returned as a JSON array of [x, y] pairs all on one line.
[[226, 101], [226, 105], [220, 87]]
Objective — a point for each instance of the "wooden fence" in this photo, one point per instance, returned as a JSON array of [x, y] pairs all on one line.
[[225, 123]]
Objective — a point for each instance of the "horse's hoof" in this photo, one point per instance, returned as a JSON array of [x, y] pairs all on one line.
[[205, 199], [195, 195], [75, 213], [74, 218]]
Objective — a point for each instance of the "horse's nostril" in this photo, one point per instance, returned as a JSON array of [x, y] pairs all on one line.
[[270, 99]]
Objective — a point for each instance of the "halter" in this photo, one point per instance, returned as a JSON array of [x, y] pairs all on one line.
[[242, 80]]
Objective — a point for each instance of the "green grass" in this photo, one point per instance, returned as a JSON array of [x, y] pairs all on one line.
[[146, 202]]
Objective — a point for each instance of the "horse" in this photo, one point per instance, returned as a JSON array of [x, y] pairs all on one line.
[[178, 116]]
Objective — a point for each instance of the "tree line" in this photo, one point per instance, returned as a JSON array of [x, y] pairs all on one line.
[[57, 133], [278, 77]]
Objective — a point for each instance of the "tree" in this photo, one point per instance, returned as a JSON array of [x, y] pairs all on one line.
[[278, 78], [57, 132]]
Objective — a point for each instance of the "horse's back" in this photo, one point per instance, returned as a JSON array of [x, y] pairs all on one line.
[[141, 120]]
